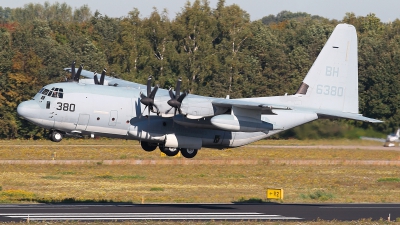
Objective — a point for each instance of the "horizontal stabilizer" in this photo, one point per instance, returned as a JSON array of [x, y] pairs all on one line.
[[373, 139], [345, 115]]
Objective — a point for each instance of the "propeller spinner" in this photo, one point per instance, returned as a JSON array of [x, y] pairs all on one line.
[[148, 100]]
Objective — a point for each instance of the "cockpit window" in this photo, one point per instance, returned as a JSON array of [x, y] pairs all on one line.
[[45, 91], [54, 92], [41, 90]]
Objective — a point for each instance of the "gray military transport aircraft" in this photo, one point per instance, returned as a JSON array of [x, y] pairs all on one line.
[[116, 108]]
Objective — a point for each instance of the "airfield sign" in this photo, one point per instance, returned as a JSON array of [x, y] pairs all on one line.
[[274, 193]]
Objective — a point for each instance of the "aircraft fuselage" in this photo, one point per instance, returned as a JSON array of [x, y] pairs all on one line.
[[107, 111]]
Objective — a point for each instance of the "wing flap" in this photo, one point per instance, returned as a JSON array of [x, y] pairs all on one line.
[[265, 108]]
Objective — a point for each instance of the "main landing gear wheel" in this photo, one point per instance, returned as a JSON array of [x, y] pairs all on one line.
[[188, 152], [56, 136], [148, 147], [170, 151]]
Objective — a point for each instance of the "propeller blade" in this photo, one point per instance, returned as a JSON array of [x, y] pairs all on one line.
[[96, 80], [153, 93], [103, 75], [180, 99], [178, 88], [78, 74], [149, 86], [158, 111], [73, 70], [171, 93], [142, 95], [144, 110], [169, 110]]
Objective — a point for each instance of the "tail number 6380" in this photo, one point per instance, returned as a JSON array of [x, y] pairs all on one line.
[[66, 106], [329, 90]]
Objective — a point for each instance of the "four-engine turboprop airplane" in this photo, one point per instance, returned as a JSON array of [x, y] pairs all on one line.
[[186, 122]]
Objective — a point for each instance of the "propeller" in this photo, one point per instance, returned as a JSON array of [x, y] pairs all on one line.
[[75, 76], [177, 98], [148, 100], [96, 80]]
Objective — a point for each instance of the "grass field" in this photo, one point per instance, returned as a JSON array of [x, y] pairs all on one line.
[[194, 183]]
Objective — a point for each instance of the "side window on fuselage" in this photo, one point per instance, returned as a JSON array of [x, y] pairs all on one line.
[[48, 105]]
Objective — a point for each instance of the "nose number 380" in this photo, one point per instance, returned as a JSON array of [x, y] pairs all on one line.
[[66, 106]]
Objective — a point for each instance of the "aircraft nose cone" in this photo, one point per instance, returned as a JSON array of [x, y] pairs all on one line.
[[27, 109]]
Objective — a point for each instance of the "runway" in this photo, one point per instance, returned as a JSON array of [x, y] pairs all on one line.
[[265, 211]]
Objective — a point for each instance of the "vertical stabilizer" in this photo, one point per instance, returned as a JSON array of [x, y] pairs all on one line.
[[332, 81]]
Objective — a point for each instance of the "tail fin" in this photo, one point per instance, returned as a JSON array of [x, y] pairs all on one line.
[[398, 132], [332, 82]]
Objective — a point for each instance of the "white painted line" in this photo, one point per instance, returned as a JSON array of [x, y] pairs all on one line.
[[141, 216], [118, 214], [359, 207], [169, 218]]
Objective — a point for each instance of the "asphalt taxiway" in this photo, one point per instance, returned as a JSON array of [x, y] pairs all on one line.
[[265, 211]]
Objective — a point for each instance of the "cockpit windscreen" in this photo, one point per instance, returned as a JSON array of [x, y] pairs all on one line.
[[54, 92]]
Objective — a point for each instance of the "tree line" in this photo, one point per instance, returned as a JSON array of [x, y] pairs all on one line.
[[217, 51]]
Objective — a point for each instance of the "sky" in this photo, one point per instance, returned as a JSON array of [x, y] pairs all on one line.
[[386, 10]]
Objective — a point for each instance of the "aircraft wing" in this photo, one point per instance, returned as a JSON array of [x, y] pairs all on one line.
[[265, 108], [112, 81]]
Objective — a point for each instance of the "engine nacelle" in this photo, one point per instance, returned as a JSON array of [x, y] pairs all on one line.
[[176, 141], [138, 132], [240, 123], [194, 123]]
